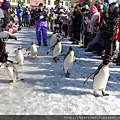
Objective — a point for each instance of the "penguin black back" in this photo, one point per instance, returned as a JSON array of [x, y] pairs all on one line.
[[70, 49], [104, 62]]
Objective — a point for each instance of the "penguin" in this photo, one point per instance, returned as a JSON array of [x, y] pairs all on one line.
[[19, 56], [101, 77], [57, 50], [68, 61], [12, 72], [33, 49], [54, 38]]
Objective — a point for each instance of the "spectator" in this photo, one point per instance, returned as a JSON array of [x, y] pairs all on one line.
[[19, 15]]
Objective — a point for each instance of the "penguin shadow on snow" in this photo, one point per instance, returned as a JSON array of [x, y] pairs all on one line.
[[57, 86], [118, 96], [4, 81], [54, 79]]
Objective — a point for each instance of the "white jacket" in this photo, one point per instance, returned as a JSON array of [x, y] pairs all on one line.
[[93, 20]]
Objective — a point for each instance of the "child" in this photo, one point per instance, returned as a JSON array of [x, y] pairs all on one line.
[[27, 17], [11, 27]]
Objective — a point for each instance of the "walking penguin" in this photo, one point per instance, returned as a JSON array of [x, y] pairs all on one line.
[[68, 61], [101, 76], [12, 72], [19, 56], [57, 50], [33, 49]]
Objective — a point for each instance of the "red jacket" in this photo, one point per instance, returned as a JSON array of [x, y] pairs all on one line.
[[117, 34]]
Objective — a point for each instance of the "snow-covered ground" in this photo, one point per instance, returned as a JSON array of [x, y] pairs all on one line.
[[46, 91]]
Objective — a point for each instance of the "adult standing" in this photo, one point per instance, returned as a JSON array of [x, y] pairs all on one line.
[[41, 25], [6, 8], [77, 24], [19, 15], [108, 30]]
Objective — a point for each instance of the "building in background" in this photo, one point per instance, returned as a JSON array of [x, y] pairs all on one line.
[[49, 3], [14, 3], [74, 2], [35, 3]]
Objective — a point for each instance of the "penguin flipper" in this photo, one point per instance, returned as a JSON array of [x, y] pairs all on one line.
[[66, 54], [50, 49], [28, 49], [94, 73], [97, 71], [74, 58]]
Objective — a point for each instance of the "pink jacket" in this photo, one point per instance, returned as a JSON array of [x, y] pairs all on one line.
[[95, 16]]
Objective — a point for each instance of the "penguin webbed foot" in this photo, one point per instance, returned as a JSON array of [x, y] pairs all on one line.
[[105, 94], [97, 95], [66, 75], [20, 64], [55, 59]]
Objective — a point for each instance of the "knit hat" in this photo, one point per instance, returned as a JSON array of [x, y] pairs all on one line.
[[93, 9], [86, 7], [1, 13], [5, 5]]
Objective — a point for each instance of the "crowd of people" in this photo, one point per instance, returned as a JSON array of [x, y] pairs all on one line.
[[96, 27]]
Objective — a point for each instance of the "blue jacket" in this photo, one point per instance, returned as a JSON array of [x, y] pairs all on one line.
[[19, 12]]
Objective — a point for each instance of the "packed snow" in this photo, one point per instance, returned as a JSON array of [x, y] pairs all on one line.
[[46, 90]]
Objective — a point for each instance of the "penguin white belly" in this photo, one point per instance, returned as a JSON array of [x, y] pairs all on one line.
[[33, 50], [68, 62], [53, 40], [100, 80], [11, 73], [19, 56], [57, 50]]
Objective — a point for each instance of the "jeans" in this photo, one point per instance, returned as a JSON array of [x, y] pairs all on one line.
[[96, 47], [20, 21]]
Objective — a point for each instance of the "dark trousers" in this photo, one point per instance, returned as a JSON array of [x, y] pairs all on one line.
[[20, 21], [65, 29], [51, 25], [87, 38], [96, 47]]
